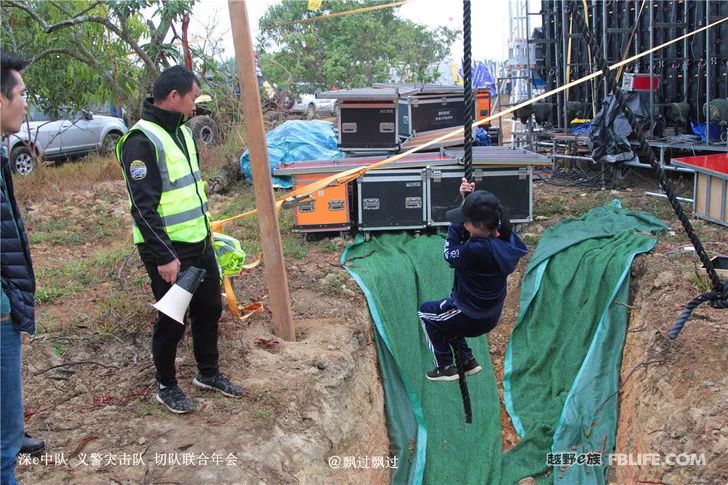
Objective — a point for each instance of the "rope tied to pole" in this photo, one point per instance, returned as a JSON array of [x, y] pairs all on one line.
[[719, 289]]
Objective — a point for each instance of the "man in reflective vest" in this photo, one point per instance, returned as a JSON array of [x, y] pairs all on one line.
[[170, 224]]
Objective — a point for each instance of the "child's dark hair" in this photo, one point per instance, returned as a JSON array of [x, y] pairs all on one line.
[[497, 218]]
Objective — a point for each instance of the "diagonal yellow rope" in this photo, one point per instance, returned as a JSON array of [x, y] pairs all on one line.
[[341, 14]]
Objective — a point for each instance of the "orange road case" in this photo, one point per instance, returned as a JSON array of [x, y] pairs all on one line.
[[328, 211]]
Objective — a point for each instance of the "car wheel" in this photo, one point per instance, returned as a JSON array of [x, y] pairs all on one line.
[[310, 112], [204, 130], [108, 146], [21, 160]]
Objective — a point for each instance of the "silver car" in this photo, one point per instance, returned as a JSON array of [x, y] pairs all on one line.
[[52, 138]]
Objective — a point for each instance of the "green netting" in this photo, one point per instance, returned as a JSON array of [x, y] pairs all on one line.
[[567, 344], [398, 273], [565, 348]]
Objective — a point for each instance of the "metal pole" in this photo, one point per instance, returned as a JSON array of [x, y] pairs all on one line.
[[686, 95], [604, 41], [528, 72], [652, 73], [638, 37], [707, 74], [559, 72], [563, 56]]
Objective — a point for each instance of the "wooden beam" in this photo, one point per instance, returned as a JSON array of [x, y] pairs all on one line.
[[275, 270]]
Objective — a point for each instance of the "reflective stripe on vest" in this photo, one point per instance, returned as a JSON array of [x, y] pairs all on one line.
[[183, 203]]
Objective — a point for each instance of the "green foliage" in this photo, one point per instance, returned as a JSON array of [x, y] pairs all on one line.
[[348, 51], [78, 60]]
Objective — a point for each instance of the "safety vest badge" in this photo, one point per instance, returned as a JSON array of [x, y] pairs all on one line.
[[137, 170]]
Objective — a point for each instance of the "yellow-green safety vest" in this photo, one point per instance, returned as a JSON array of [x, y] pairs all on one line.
[[183, 204]]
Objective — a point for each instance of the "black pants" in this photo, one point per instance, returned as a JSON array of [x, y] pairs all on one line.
[[442, 320], [204, 312]]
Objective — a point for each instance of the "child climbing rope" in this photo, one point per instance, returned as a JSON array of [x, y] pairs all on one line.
[[483, 250]]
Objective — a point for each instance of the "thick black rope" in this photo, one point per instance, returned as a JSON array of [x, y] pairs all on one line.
[[468, 162], [720, 291], [461, 379], [467, 93]]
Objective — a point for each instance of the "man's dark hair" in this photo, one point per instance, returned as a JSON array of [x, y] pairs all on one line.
[[177, 78], [8, 63]]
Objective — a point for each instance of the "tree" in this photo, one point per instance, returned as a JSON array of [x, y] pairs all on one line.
[[80, 50], [347, 51]]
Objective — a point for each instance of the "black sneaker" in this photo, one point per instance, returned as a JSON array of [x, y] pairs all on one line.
[[471, 367], [219, 382], [32, 446], [446, 373], [174, 399]]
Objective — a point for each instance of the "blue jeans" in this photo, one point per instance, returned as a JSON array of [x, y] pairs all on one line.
[[11, 402]]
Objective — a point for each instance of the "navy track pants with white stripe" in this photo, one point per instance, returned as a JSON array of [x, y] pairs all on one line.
[[441, 320]]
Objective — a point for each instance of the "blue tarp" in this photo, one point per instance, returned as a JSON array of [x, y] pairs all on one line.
[[293, 141], [481, 137], [583, 128], [700, 130]]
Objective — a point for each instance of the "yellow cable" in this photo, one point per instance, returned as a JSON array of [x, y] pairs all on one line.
[[341, 14], [568, 59], [631, 36], [589, 53]]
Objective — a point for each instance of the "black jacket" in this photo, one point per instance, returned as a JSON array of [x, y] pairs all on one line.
[[482, 266], [157, 248], [18, 279]]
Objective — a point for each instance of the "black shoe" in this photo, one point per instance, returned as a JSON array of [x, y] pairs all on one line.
[[219, 382], [32, 446], [471, 367], [174, 399], [446, 373]]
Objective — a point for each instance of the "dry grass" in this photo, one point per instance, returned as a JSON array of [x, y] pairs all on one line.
[[51, 181]]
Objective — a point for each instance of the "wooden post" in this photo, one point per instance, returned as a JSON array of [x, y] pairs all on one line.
[[275, 270]]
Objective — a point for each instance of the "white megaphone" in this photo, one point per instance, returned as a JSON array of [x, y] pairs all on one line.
[[175, 302]]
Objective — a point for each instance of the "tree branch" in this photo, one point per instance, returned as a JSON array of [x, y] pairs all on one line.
[[49, 28], [86, 59]]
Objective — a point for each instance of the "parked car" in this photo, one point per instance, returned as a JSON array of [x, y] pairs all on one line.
[[52, 137], [308, 104]]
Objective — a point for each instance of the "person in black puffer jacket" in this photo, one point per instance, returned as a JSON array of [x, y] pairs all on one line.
[[18, 280]]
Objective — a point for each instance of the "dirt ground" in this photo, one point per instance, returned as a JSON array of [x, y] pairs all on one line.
[[89, 380]]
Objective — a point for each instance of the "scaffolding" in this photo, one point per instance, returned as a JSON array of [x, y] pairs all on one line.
[[517, 80], [692, 73]]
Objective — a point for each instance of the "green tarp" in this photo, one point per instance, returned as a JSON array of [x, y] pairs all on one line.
[[398, 272], [565, 348]]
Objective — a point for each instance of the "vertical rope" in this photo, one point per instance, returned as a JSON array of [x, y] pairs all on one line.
[[468, 162], [719, 290], [461, 379], [468, 93]]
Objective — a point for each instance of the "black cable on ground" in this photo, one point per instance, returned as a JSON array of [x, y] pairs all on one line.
[[719, 295], [561, 178]]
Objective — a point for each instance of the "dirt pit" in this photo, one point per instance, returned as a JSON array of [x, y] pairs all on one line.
[[89, 380]]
